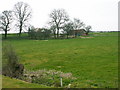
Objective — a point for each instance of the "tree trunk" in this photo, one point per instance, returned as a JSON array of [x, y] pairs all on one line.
[[20, 30], [5, 34], [57, 32], [6, 30], [87, 33]]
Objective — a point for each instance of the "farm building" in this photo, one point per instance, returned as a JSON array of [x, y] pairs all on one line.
[[80, 32]]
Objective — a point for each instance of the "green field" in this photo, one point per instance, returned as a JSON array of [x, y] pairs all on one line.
[[93, 61], [14, 83]]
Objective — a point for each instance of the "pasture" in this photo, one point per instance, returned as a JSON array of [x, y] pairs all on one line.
[[92, 61]]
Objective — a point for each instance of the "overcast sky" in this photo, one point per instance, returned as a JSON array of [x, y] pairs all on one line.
[[102, 15]]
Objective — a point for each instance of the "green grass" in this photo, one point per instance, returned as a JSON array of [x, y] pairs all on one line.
[[15, 83], [93, 61]]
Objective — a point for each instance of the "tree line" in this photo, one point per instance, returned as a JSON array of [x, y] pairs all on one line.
[[59, 22], [20, 15]]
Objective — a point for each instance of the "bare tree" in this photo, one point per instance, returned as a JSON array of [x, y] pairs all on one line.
[[87, 29], [58, 19], [78, 24], [5, 21], [22, 12], [53, 29], [68, 27]]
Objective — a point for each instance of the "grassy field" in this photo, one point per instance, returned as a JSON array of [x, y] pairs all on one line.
[[93, 61], [15, 83]]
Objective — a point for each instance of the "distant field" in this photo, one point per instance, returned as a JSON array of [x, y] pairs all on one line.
[[93, 61]]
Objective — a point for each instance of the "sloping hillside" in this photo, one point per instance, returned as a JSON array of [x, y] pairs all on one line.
[[15, 83]]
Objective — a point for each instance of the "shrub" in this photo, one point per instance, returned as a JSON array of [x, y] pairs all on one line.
[[41, 34], [10, 62]]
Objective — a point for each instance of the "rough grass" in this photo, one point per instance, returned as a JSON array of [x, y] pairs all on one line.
[[93, 61], [15, 83]]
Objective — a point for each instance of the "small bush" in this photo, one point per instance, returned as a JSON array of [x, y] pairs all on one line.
[[40, 34], [10, 62]]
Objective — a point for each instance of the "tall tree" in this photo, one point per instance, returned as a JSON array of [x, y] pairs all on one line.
[[87, 29], [58, 18], [22, 12], [68, 27], [5, 21]]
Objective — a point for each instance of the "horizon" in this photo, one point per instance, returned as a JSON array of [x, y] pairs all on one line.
[[2, 32]]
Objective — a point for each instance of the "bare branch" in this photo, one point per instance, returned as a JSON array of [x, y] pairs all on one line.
[[22, 12], [78, 24], [58, 18]]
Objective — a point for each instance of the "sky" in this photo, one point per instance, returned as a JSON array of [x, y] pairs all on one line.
[[102, 15]]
